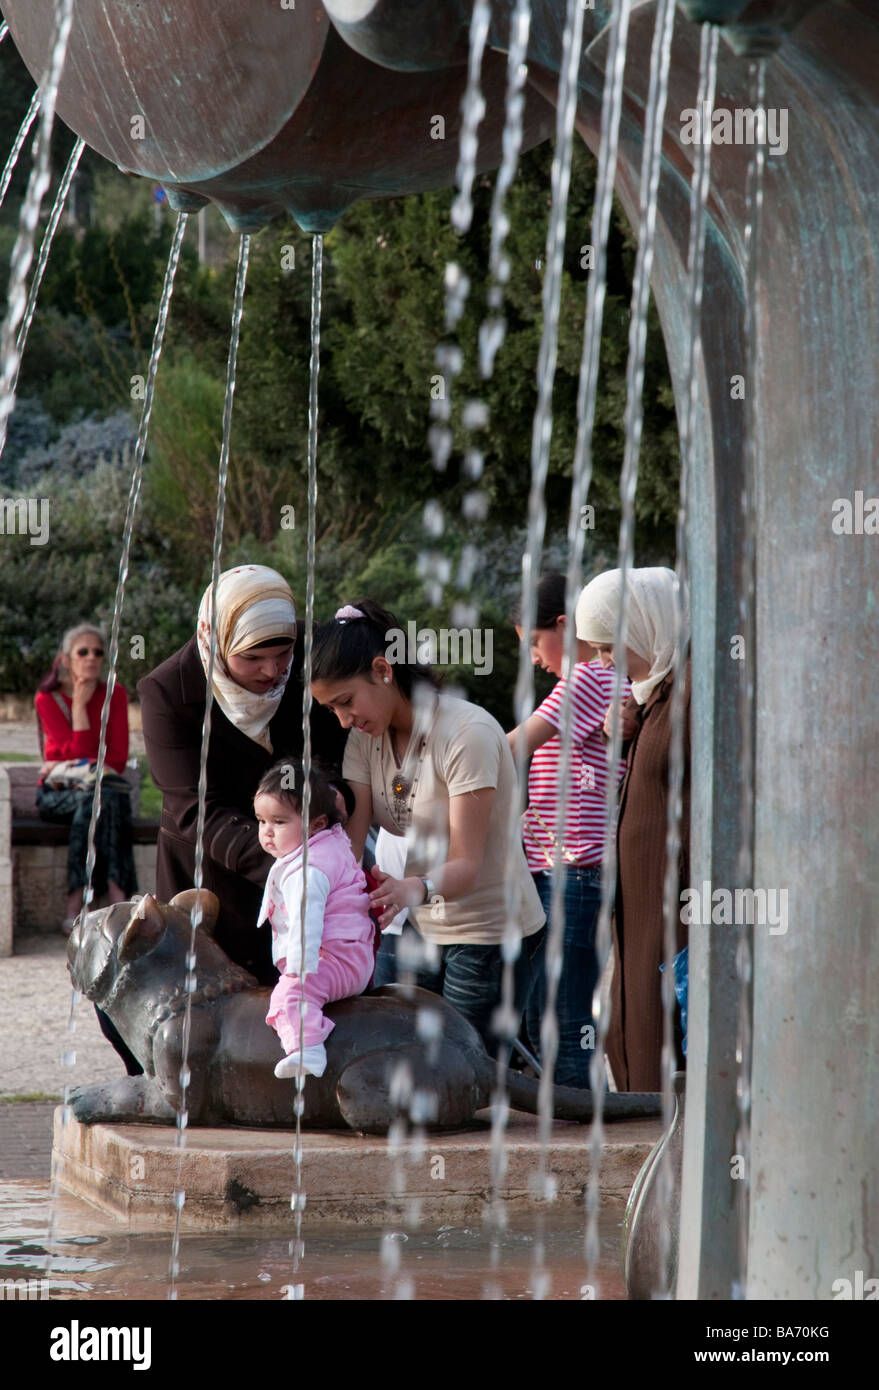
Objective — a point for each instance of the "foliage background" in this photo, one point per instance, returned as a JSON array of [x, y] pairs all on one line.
[[71, 436]]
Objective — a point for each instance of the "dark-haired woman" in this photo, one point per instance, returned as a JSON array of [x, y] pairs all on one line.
[[256, 718], [582, 846], [69, 704], [437, 768]]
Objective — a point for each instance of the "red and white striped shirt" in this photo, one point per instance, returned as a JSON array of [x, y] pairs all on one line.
[[591, 693]]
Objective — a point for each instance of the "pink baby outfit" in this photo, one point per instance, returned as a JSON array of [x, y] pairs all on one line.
[[339, 934]]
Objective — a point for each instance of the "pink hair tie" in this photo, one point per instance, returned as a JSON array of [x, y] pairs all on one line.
[[342, 615]]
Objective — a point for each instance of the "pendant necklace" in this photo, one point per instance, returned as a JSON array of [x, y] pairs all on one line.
[[403, 787]]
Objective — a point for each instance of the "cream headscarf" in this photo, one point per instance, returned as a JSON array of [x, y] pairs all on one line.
[[254, 604], [651, 627]]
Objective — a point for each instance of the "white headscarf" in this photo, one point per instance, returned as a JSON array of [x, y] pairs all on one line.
[[254, 604], [651, 628]]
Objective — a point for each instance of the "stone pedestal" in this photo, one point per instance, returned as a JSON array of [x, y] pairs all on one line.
[[236, 1179]]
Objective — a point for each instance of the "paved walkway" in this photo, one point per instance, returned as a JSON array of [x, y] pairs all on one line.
[[26, 1141], [35, 998]]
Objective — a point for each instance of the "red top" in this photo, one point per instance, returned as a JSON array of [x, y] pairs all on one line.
[[62, 742], [591, 691]]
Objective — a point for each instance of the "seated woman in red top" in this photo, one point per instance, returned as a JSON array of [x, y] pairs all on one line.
[[69, 703]]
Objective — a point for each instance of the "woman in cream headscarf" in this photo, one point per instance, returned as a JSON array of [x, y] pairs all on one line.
[[635, 1038], [256, 718]]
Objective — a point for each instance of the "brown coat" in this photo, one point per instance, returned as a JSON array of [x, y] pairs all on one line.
[[235, 865], [634, 1044]]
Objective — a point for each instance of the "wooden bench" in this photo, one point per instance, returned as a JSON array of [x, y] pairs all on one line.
[[33, 854]]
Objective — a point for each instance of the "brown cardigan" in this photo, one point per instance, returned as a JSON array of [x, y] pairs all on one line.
[[634, 1044], [235, 865]]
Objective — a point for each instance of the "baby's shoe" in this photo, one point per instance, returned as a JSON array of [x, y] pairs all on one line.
[[314, 1062]]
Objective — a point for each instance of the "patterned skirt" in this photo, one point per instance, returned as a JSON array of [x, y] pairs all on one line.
[[113, 844]]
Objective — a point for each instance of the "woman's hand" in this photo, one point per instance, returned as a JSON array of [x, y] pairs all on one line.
[[83, 690], [629, 724], [393, 894]]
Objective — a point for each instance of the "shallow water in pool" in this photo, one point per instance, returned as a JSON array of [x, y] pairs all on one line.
[[92, 1260]]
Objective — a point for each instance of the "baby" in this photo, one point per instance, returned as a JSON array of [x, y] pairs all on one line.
[[339, 933]]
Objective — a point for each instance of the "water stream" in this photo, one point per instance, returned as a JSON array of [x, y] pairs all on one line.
[[23, 250], [45, 248], [17, 145], [127, 533], [580, 481], [671, 898], [296, 1290], [524, 695], [69, 1054], [492, 330], [650, 169], [433, 565], [198, 872], [472, 112]]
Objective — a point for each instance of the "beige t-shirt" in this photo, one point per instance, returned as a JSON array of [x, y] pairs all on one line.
[[465, 749]]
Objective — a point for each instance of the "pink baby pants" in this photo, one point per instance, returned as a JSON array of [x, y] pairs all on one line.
[[344, 968]]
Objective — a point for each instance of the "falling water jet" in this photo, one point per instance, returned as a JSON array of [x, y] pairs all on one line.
[[492, 330], [650, 169], [582, 463], [449, 358], [297, 1201], [17, 144], [113, 654], [23, 250], [540, 441], [701, 181], [198, 870], [45, 248], [472, 110], [22, 255], [433, 566], [127, 534], [457, 285], [745, 694]]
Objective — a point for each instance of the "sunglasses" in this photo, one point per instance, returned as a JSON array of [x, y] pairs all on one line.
[[84, 651]]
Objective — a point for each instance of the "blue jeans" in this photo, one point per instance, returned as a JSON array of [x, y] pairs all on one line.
[[581, 902], [470, 977]]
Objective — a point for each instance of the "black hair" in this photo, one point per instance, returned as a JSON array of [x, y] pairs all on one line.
[[285, 780], [271, 642], [550, 595], [346, 647]]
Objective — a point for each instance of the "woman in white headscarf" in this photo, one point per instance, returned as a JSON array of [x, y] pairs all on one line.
[[635, 1037], [256, 719]]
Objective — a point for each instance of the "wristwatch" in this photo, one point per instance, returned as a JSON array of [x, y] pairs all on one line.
[[430, 889]]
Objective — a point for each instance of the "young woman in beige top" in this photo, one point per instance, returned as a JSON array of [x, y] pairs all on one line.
[[437, 769]]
